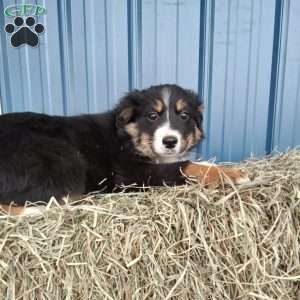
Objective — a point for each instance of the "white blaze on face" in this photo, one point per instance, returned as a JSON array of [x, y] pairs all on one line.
[[165, 94], [165, 130]]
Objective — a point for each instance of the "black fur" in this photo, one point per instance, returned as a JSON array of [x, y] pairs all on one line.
[[43, 156]]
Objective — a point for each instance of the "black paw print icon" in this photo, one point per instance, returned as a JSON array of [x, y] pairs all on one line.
[[24, 32]]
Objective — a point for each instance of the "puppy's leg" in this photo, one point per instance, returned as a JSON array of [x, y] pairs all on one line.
[[176, 174], [212, 174], [10, 210], [37, 210], [37, 168]]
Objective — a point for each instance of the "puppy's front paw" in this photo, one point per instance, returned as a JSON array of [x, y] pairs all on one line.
[[211, 175]]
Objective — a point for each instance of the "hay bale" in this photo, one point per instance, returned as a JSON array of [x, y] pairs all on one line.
[[169, 243]]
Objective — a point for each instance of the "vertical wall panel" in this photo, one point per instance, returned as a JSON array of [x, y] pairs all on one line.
[[80, 65], [117, 49], [12, 81], [96, 54], [4, 81], [236, 91], [170, 42], [52, 60], [287, 113], [243, 56], [26, 70]]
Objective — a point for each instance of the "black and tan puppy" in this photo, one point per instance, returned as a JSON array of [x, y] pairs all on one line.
[[143, 141]]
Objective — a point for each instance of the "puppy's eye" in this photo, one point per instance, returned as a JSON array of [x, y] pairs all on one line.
[[184, 115], [152, 116]]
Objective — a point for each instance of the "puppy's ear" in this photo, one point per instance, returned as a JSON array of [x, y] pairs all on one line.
[[196, 100], [124, 116], [126, 110]]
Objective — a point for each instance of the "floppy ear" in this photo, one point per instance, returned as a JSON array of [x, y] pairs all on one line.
[[197, 100], [126, 110], [124, 116]]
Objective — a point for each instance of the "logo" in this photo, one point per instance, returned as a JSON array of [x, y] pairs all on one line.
[[24, 10], [24, 29]]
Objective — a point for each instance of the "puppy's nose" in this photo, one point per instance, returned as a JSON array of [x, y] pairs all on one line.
[[170, 141]]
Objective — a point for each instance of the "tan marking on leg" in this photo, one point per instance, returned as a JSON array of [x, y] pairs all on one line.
[[212, 175], [180, 105], [37, 210], [12, 210]]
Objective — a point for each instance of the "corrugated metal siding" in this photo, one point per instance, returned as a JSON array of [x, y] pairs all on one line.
[[243, 56]]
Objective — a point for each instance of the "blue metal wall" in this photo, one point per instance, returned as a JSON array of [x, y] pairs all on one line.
[[243, 56]]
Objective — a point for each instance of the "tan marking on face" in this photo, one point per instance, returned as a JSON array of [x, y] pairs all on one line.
[[132, 130], [198, 134], [158, 106], [142, 143], [180, 105], [144, 146], [190, 141]]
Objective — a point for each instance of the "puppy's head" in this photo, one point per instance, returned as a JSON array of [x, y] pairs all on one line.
[[161, 123]]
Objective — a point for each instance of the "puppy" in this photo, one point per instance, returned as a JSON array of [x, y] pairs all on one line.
[[143, 141]]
